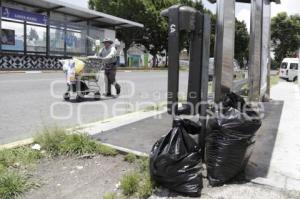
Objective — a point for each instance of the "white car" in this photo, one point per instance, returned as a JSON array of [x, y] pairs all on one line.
[[289, 69]]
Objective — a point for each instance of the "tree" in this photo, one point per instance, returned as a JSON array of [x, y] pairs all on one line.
[[285, 35], [154, 35], [241, 47], [128, 9]]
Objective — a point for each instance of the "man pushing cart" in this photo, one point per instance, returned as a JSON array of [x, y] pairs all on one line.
[[109, 54], [83, 73]]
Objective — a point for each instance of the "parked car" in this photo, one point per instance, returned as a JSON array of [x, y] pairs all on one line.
[[289, 69], [236, 67]]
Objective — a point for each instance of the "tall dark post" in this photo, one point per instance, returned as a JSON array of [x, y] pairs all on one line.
[[173, 56], [183, 18]]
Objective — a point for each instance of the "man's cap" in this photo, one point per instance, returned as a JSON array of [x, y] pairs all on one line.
[[108, 40]]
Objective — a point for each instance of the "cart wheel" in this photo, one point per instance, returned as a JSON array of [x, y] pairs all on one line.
[[97, 96], [66, 96], [79, 98]]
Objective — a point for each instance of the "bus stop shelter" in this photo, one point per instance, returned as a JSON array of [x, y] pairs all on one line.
[[36, 34]]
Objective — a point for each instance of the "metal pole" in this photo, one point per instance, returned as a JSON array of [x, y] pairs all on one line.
[[0, 25], [65, 39], [255, 50], [266, 58], [87, 50], [173, 49], [25, 38], [48, 35], [224, 48]]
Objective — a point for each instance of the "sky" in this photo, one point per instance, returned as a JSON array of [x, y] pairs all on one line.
[[242, 10]]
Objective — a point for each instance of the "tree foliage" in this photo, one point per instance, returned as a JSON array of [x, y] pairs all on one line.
[[241, 47], [154, 35], [285, 35]]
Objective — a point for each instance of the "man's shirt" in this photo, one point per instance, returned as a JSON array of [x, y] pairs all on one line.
[[108, 55]]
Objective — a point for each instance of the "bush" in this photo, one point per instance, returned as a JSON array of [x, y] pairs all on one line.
[[13, 185]]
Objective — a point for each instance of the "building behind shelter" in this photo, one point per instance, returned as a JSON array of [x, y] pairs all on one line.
[[36, 34]]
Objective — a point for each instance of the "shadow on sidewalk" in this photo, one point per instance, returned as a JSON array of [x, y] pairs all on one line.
[[260, 160], [140, 136]]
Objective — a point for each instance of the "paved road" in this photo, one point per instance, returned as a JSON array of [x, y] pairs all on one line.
[[31, 101]]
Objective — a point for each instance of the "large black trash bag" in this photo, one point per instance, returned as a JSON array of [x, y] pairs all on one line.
[[175, 160], [230, 140]]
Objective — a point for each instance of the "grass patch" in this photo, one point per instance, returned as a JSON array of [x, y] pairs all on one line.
[[51, 139], [130, 157], [13, 182], [58, 142], [130, 183], [19, 157], [110, 196], [2, 169], [138, 183], [146, 186], [13, 185], [155, 107], [274, 79], [106, 150]]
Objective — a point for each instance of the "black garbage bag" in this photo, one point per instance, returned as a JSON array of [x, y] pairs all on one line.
[[230, 140], [175, 160]]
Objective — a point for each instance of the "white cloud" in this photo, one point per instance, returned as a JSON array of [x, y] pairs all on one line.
[[289, 6], [244, 15]]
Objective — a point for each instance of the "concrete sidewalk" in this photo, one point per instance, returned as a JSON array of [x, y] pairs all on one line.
[[284, 168]]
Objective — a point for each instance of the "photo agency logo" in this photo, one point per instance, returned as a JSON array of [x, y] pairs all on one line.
[[133, 100]]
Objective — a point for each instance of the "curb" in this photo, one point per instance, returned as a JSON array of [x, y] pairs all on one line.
[[100, 127], [58, 71], [17, 144], [30, 72]]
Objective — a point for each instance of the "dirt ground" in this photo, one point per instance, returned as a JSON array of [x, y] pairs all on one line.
[[92, 177], [77, 178]]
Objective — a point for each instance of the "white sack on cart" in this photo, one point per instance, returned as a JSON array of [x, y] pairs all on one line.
[[69, 69]]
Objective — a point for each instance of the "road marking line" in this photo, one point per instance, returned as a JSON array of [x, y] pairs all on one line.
[[33, 72]]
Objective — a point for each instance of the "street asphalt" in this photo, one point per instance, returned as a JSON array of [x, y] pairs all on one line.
[[30, 102]]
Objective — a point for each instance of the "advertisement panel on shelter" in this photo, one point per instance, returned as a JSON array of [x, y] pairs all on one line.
[[8, 37]]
